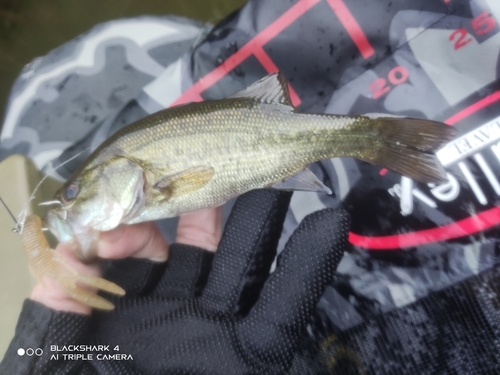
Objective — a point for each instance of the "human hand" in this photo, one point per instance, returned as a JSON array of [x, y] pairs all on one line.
[[202, 229], [233, 317]]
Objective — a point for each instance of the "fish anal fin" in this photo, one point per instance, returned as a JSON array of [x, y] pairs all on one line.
[[185, 182], [303, 181], [272, 89]]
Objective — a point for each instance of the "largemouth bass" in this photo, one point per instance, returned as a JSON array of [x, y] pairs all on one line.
[[201, 155]]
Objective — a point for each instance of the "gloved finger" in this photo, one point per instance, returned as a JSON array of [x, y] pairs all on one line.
[[144, 241], [305, 268], [246, 250], [135, 276], [186, 272], [183, 275]]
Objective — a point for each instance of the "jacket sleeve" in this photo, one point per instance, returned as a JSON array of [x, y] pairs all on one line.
[[40, 333]]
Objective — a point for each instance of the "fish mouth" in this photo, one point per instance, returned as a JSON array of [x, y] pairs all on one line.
[[57, 221], [83, 242]]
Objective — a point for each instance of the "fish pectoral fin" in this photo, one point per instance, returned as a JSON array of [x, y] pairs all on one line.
[[185, 182], [272, 89], [303, 181]]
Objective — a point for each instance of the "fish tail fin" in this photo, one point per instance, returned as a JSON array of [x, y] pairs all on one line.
[[408, 146]]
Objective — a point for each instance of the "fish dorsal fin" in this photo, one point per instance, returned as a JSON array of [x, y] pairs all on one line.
[[272, 89]]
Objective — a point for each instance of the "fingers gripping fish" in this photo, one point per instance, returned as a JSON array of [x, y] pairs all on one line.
[[46, 262], [200, 155]]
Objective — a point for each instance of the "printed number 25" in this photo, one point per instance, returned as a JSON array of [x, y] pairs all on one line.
[[396, 76], [482, 24]]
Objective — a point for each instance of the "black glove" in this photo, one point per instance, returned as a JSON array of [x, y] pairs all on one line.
[[230, 316], [242, 320]]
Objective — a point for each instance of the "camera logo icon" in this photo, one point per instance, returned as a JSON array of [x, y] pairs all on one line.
[[30, 352]]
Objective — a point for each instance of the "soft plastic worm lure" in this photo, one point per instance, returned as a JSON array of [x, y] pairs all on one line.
[[47, 262]]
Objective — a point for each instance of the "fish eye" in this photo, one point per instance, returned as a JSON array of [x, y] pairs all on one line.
[[71, 192]]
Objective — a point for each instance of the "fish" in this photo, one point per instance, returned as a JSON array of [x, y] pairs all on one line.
[[202, 154]]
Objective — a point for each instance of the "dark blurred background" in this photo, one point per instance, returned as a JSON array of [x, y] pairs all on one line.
[[31, 28]]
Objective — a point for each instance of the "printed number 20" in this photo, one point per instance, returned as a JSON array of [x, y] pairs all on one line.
[[396, 76]]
